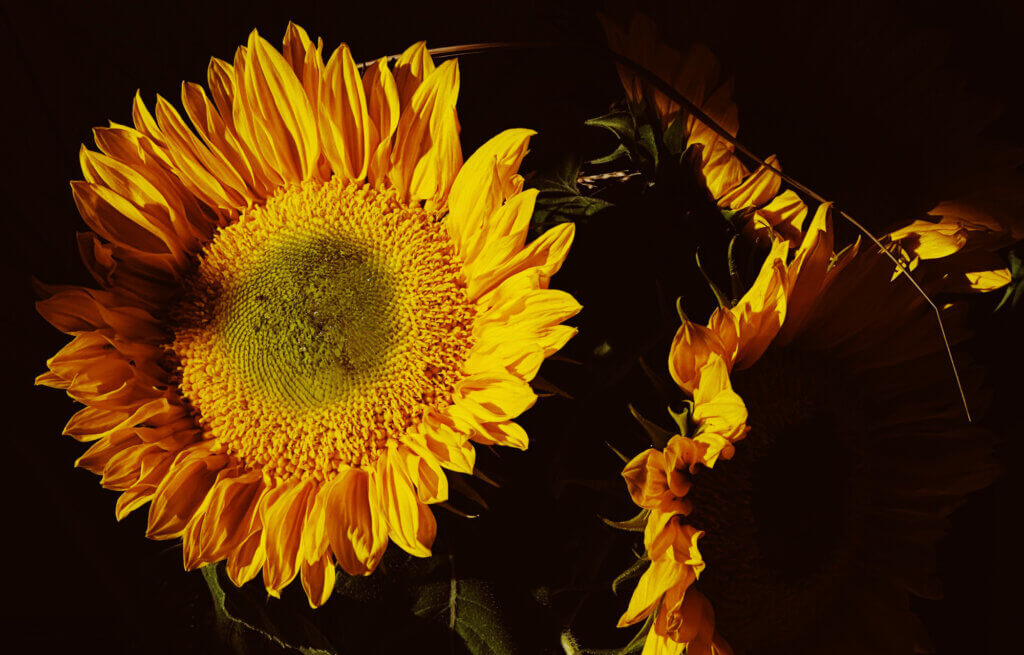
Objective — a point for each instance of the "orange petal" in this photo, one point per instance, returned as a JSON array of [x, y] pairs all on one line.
[[182, 493], [691, 347], [318, 580], [357, 533], [283, 514]]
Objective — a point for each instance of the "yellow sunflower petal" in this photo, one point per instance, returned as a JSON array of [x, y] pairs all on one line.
[[718, 410], [451, 447], [357, 534], [227, 520], [282, 513], [294, 47], [761, 311], [344, 120], [382, 105], [691, 347], [411, 69], [275, 118], [807, 272], [247, 560], [427, 154], [482, 185], [988, 280], [757, 190], [546, 254], [411, 524], [318, 580], [182, 493]]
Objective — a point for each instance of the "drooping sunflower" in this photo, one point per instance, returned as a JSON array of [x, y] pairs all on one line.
[[308, 308], [814, 530]]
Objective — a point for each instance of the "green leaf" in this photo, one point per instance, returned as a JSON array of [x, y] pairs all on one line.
[[620, 123], [636, 136], [619, 152], [647, 141], [468, 609], [560, 199], [675, 137], [1015, 288], [231, 606]]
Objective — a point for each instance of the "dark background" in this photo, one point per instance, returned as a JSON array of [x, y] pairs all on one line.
[[885, 110]]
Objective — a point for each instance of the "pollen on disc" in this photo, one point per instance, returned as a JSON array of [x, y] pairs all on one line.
[[321, 325]]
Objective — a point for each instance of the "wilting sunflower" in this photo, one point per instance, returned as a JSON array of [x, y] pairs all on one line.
[[309, 307], [822, 522]]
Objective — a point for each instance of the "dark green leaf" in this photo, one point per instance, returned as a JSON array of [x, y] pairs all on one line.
[[619, 152], [1015, 288], [467, 607], [620, 123], [675, 136], [560, 198], [237, 613]]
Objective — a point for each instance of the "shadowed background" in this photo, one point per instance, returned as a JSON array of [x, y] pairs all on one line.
[[886, 111]]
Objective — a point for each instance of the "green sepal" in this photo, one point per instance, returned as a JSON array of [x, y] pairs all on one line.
[[723, 300], [624, 459], [737, 218], [1015, 288], [679, 310], [635, 524], [659, 436], [632, 573], [734, 271]]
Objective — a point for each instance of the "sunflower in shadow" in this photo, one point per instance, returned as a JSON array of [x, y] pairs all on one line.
[[823, 447], [309, 310]]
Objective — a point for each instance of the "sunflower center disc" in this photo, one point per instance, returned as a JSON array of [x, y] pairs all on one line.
[[311, 320], [320, 326], [781, 528]]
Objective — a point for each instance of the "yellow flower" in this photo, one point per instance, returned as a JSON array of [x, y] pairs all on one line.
[[309, 308], [824, 519]]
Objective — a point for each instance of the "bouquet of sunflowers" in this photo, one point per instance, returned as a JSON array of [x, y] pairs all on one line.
[[316, 333]]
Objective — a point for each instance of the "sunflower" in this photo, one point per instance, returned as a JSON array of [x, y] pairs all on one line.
[[855, 450], [309, 307], [697, 75]]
